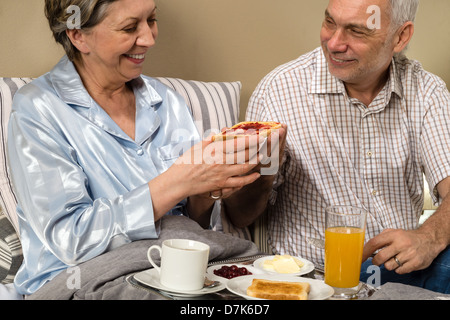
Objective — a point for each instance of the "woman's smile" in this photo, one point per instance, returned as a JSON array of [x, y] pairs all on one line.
[[136, 58]]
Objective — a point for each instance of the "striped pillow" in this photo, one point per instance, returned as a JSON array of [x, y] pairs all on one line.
[[10, 251], [8, 87], [214, 105]]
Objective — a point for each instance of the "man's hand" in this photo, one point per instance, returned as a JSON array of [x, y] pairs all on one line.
[[413, 249], [407, 251]]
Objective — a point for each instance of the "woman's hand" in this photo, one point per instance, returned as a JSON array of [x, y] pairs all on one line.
[[245, 206], [223, 167], [208, 168], [218, 168]]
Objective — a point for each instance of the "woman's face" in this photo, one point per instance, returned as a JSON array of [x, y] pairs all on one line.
[[116, 48]]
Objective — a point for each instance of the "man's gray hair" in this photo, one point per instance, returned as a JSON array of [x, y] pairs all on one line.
[[403, 11]]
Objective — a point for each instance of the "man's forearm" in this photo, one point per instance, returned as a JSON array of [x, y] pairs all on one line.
[[438, 225], [199, 208], [246, 205]]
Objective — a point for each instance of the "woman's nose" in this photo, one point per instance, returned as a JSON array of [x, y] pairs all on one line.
[[148, 35]]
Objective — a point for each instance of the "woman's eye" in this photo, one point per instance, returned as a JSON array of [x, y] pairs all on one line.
[[152, 21], [130, 29]]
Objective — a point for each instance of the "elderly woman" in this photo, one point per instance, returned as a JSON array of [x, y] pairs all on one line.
[[91, 144]]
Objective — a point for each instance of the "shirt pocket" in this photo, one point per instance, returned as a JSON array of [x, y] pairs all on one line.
[[171, 152]]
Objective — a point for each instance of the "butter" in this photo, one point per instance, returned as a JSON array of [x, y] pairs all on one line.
[[283, 264], [268, 265]]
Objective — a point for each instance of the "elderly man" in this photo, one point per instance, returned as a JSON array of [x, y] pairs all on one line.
[[365, 123]]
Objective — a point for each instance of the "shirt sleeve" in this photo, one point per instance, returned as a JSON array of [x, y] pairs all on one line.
[[435, 138]]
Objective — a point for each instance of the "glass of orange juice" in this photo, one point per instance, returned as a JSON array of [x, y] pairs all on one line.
[[344, 242]]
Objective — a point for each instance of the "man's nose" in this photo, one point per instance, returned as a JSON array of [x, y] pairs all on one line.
[[337, 42]]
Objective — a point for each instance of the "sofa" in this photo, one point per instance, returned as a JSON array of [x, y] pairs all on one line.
[[214, 105]]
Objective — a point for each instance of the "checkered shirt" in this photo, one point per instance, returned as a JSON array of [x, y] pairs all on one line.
[[340, 152]]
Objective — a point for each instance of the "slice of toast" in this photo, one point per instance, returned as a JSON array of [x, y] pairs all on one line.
[[278, 290]]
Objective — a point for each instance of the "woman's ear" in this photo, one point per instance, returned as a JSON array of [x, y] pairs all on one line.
[[403, 37], [77, 37]]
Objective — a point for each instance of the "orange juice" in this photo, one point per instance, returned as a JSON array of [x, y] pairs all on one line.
[[343, 255]]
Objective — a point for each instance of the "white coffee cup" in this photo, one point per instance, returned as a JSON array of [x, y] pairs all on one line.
[[183, 263]]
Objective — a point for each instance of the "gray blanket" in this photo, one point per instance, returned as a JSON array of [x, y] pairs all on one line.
[[103, 278]]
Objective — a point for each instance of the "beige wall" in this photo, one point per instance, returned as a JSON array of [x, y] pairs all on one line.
[[217, 40]]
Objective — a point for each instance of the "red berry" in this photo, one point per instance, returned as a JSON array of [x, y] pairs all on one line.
[[232, 271]]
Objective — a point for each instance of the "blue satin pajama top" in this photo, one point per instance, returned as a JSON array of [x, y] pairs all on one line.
[[81, 182]]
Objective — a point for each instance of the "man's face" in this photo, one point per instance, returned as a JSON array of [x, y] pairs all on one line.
[[356, 51]]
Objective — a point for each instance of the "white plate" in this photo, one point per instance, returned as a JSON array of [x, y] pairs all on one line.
[[308, 266], [150, 278], [212, 276], [319, 290]]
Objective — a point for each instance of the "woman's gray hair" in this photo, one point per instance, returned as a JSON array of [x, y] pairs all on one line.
[[403, 11], [59, 12]]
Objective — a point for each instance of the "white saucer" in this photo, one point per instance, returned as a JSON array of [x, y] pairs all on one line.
[[150, 278]]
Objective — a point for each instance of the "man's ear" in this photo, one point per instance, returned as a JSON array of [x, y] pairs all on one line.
[[403, 36], [77, 38]]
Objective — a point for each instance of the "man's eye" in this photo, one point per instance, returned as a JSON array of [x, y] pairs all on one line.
[[329, 21], [357, 32]]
